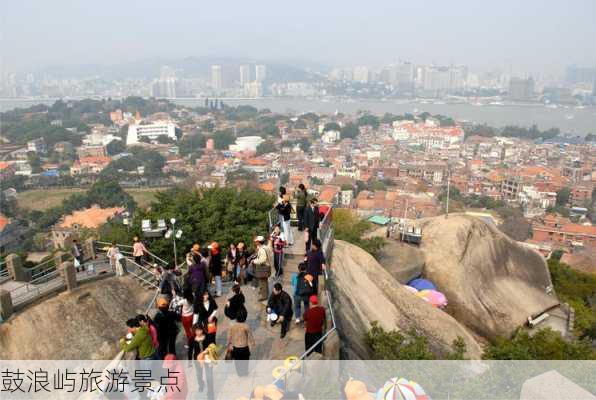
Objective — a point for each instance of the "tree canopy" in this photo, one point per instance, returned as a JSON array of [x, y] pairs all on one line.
[[224, 215], [349, 131]]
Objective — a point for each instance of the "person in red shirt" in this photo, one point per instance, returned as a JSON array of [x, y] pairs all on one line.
[[314, 323]]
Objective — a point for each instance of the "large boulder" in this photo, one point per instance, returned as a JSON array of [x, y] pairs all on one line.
[[403, 261], [83, 324], [364, 292], [493, 283]]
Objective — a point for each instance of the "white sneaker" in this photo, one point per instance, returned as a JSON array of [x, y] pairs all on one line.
[[297, 320]]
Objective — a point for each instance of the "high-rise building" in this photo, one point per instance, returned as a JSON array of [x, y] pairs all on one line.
[[361, 74], [253, 89], [436, 78], [244, 75], [166, 85], [575, 74], [521, 89], [260, 73], [216, 77]]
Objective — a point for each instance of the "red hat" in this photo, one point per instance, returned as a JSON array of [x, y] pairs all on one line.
[[313, 299]]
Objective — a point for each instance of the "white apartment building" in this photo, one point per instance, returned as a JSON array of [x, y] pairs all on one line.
[[151, 131]]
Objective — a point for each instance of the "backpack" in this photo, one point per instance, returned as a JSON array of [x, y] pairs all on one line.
[[302, 287]]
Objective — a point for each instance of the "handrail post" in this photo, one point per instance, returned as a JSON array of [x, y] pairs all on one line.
[[6, 306]]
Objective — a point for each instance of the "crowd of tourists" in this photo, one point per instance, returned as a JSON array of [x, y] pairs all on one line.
[[187, 302]]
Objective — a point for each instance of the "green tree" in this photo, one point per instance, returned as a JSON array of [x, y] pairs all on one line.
[[351, 228], [563, 196], [224, 215], [546, 344], [349, 131], [34, 162], [369, 119], [223, 139], [191, 143], [115, 147], [266, 147], [410, 345], [332, 126], [577, 289]]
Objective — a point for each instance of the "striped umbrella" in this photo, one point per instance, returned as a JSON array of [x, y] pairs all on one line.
[[435, 298], [401, 389], [411, 289]]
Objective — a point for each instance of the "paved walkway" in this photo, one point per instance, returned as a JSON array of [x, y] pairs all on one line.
[[269, 345]]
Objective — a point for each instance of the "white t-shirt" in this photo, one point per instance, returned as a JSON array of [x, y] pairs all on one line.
[[187, 308]]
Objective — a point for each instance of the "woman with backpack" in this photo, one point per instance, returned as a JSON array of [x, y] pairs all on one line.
[[303, 289]]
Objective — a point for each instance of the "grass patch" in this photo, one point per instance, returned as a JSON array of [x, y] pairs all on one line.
[[44, 199]]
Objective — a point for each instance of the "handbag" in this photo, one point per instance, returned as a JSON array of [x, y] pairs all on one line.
[[211, 327]]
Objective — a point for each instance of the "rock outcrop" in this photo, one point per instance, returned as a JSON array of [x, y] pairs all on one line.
[[492, 282], [83, 324], [405, 262], [363, 292]]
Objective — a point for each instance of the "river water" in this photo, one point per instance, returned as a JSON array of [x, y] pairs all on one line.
[[573, 120]]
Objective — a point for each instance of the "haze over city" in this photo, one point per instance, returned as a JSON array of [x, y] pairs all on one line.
[[529, 36]]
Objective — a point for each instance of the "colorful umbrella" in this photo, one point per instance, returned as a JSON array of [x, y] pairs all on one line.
[[435, 298], [411, 289], [401, 389], [422, 284]]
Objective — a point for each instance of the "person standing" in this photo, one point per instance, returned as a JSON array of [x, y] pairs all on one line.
[[195, 252], [279, 308], [187, 313], [285, 213], [280, 199], [76, 254], [231, 262], [197, 275], [145, 320], [262, 268], [303, 288], [198, 346], [138, 250], [205, 314], [141, 341], [278, 241], [312, 220], [315, 263], [240, 341], [241, 263], [301, 196], [168, 285], [215, 266], [234, 303], [112, 255], [167, 327], [314, 324]]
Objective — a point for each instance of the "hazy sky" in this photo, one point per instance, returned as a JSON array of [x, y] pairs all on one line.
[[528, 35]]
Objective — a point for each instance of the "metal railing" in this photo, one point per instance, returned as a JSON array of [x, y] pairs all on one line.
[[153, 256], [4, 273], [36, 287], [140, 272], [326, 238]]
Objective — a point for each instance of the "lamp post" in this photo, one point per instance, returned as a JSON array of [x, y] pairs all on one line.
[[174, 234]]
